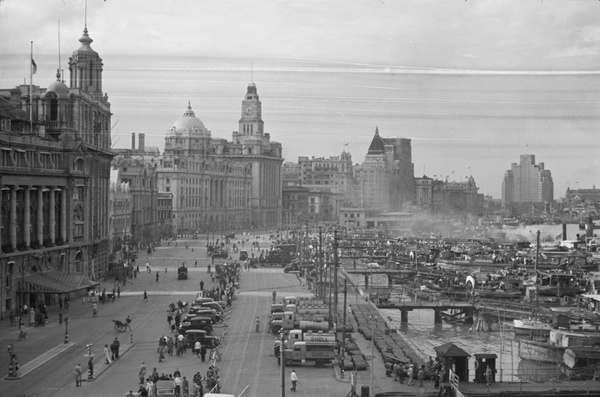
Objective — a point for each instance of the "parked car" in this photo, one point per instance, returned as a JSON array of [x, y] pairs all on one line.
[[243, 255], [200, 335], [198, 322], [220, 253]]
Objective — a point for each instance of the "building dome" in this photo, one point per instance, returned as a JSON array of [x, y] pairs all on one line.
[[59, 88], [189, 122]]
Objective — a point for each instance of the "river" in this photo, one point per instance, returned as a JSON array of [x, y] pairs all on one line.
[[422, 331]]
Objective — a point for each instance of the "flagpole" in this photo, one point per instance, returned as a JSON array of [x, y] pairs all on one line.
[[31, 91]]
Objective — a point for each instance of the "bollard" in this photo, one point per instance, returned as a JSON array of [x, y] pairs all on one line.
[[257, 324], [66, 338], [131, 339], [11, 370]]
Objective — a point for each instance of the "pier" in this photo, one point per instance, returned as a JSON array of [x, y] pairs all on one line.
[[389, 273], [461, 311]]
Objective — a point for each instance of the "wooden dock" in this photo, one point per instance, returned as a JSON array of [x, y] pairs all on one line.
[[461, 311]]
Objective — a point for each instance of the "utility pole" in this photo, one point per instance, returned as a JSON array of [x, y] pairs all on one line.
[[320, 291], [344, 330], [335, 274], [282, 357]]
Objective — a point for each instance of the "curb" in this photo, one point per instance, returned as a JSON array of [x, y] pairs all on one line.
[[40, 360], [100, 366]]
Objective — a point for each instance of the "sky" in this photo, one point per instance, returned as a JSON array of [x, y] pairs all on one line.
[[442, 37]]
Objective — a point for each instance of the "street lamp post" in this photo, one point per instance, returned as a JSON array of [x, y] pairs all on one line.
[[372, 318]]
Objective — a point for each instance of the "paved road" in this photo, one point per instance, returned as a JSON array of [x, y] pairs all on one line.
[[248, 359]]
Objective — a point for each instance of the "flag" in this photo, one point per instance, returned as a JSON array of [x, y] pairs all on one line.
[[33, 66]]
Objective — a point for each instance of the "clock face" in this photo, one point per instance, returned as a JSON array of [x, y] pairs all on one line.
[[249, 110]]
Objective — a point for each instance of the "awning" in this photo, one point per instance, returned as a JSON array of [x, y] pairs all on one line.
[[55, 283]]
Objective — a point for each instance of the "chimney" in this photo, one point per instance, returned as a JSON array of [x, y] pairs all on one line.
[[133, 141], [142, 142]]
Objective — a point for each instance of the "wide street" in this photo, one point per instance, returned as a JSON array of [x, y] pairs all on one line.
[[247, 356]]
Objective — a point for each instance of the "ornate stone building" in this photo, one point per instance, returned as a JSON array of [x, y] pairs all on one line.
[[55, 182], [211, 193], [251, 145]]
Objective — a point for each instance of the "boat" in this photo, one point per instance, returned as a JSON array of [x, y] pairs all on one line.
[[554, 349], [532, 328], [581, 363]]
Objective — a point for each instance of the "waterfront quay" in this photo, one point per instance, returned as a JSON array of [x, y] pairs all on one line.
[[248, 365]]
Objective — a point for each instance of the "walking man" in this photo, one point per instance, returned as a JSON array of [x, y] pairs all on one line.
[[90, 369], [145, 295], [294, 379], [78, 375], [411, 373], [142, 373]]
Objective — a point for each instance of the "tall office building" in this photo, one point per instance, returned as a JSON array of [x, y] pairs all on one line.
[[385, 180], [527, 182]]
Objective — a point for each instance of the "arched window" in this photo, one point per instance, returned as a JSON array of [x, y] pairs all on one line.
[[78, 164]]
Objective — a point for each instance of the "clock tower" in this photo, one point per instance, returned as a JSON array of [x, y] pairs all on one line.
[[251, 122]]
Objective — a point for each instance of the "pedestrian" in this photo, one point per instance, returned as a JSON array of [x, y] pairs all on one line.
[[157, 277], [117, 344], [107, 355], [197, 347], [294, 379], [421, 375], [90, 369], [401, 373], [185, 386], [488, 375], [148, 267], [274, 295], [78, 375], [150, 387], [395, 367], [95, 309], [201, 285], [411, 373], [145, 295], [196, 262], [11, 316], [202, 353], [118, 291], [142, 373], [178, 382]]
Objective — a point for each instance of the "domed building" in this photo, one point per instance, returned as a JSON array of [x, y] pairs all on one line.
[[55, 167], [211, 193]]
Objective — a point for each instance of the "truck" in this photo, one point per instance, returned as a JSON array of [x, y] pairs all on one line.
[[297, 335], [320, 353], [289, 320], [304, 314]]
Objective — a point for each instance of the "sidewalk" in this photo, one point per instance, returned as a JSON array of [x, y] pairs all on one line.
[[99, 362]]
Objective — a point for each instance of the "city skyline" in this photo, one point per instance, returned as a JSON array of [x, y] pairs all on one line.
[[510, 89]]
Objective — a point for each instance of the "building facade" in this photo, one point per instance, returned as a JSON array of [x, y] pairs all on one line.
[[252, 146], [527, 182], [385, 180], [55, 184]]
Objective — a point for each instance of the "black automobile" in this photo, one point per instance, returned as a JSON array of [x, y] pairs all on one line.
[[200, 335], [220, 253], [243, 255], [182, 273]]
